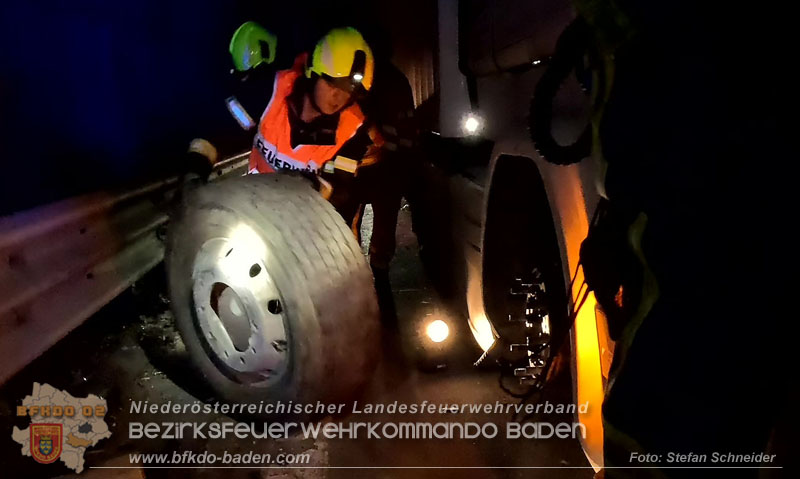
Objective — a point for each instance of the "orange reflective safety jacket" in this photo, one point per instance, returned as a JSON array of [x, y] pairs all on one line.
[[272, 149]]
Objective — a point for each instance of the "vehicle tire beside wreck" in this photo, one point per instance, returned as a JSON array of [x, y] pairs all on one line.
[[271, 293]]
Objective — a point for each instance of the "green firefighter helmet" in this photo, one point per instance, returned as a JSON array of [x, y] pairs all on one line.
[[343, 57], [252, 45]]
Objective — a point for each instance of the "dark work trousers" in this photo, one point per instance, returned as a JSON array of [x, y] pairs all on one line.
[[391, 107], [382, 185]]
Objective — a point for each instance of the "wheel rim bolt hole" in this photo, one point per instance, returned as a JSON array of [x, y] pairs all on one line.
[[274, 306], [279, 345], [255, 270]]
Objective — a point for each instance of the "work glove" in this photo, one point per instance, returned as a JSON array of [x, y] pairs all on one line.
[[199, 160]]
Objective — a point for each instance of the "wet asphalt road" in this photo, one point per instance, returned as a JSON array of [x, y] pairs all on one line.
[[130, 351]]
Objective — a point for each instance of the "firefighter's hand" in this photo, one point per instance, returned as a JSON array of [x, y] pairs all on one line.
[[317, 182], [200, 159], [325, 188]]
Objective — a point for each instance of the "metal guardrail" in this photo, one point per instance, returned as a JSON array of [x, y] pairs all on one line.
[[60, 263]]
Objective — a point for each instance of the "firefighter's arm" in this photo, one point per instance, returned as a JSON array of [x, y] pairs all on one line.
[[372, 154], [336, 180], [230, 132], [325, 188]]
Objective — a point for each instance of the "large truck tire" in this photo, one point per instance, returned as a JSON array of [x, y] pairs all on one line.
[[271, 293]]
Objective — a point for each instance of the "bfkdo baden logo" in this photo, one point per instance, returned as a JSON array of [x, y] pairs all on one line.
[[61, 426], [46, 442]]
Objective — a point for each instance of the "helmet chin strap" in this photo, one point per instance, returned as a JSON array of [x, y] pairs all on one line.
[[313, 102], [311, 97]]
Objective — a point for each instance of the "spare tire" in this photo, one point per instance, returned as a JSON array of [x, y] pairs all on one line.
[[271, 293]]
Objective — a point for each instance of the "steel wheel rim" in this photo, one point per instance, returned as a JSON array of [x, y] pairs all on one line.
[[239, 310]]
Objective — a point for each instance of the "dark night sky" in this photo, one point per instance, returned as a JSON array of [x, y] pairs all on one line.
[[97, 94]]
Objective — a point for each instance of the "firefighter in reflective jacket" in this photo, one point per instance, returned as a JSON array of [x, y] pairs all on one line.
[[312, 122]]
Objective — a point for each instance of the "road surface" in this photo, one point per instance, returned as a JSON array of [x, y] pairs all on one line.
[[131, 351]]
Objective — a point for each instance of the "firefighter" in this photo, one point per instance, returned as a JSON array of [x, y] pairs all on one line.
[[310, 121], [390, 107]]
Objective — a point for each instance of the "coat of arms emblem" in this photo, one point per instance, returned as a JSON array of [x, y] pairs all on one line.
[[46, 440]]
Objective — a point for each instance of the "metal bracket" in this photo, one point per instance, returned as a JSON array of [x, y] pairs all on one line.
[[535, 317]]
